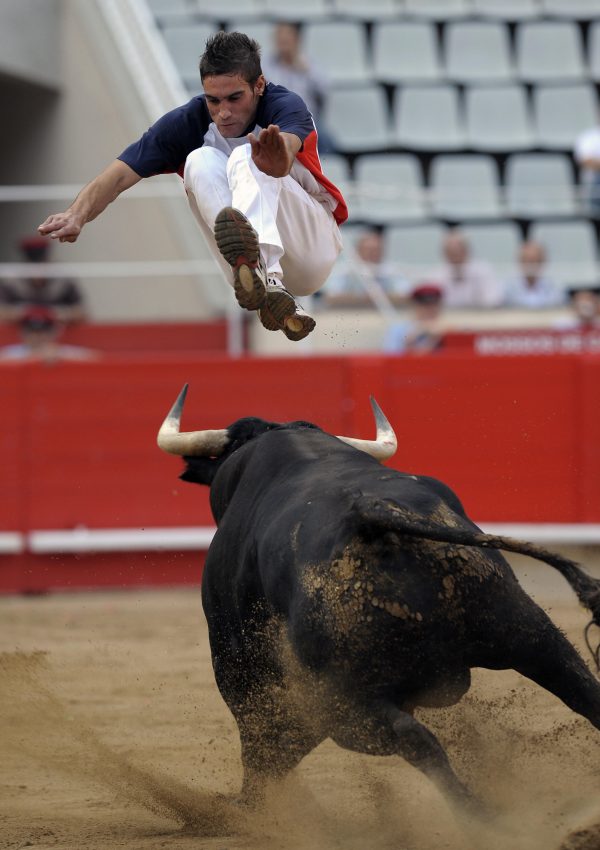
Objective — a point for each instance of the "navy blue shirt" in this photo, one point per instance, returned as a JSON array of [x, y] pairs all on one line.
[[164, 147]]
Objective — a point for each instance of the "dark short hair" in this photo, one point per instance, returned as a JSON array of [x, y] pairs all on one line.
[[231, 53]]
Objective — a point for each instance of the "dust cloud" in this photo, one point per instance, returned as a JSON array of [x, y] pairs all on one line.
[[113, 734]]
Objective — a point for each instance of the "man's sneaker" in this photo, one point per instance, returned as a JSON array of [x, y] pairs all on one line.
[[279, 312], [237, 241]]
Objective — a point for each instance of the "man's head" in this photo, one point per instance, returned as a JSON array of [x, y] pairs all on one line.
[[286, 42], [427, 300], [532, 257], [233, 82], [456, 248], [585, 302], [38, 327], [369, 247], [34, 249]]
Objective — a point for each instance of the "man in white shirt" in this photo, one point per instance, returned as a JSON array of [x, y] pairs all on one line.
[[532, 288], [587, 157], [466, 282]]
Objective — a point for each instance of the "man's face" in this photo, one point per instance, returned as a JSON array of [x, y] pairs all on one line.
[[232, 102]]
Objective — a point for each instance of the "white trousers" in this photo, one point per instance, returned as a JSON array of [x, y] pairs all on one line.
[[299, 237]]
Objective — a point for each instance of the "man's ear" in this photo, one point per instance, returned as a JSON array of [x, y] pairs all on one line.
[[259, 85]]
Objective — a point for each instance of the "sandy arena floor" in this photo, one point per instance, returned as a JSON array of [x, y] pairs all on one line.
[[113, 734]]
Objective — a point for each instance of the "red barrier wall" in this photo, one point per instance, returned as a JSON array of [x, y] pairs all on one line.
[[518, 438]]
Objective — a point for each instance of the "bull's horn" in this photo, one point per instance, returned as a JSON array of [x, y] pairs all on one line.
[[200, 443], [384, 445]]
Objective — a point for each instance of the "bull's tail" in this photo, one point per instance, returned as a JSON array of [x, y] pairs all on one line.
[[390, 516]]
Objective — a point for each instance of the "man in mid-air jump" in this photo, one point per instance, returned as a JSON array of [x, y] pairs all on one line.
[[247, 152]]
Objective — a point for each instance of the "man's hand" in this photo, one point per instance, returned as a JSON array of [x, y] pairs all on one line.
[[273, 152], [65, 226]]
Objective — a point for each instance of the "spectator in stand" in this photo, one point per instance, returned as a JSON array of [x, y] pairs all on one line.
[[60, 295], [584, 302], [587, 157], [532, 288], [40, 333], [286, 66], [466, 282], [364, 276], [423, 331]]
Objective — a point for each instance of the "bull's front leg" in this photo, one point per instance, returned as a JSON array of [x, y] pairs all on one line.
[[274, 739]]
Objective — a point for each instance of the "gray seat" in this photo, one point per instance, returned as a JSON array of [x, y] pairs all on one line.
[[549, 51], [172, 12], [439, 10], [497, 118], [186, 45], [389, 188], [288, 10], [215, 9], [571, 248], [560, 113], [477, 51], [428, 118], [336, 167], [581, 10], [539, 185], [406, 52], [340, 48], [371, 132], [465, 186], [496, 242], [374, 10], [594, 50], [507, 10], [260, 30], [414, 249]]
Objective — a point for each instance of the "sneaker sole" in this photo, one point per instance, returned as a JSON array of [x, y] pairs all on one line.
[[277, 308], [238, 243], [298, 327]]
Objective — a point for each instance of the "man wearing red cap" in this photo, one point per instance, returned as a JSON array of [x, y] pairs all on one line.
[[59, 295]]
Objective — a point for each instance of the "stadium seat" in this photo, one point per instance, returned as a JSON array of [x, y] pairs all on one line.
[[507, 10], [186, 45], [539, 185], [477, 52], [288, 10], [594, 50], [171, 12], [335, 166], [549, 51], [414, 249], [389, 188], [406, 52], [581, 10], [428, 118], [496, 242], [497, 118], [372, 131], [259, 30], [340, 49], [217, 11], [560, 113], [464, 186], [440, 10], [571, 248], [374, 10]]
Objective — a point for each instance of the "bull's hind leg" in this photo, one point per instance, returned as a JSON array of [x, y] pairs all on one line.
[[420, 748], [548, 659]]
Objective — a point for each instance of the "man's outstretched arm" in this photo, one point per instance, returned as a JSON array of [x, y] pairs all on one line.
[[90, 202]]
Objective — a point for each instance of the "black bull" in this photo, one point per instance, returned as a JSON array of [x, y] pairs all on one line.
[[341, 594]]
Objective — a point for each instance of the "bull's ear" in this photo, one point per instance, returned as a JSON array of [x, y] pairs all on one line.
[[384, 445], [193, 443]]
